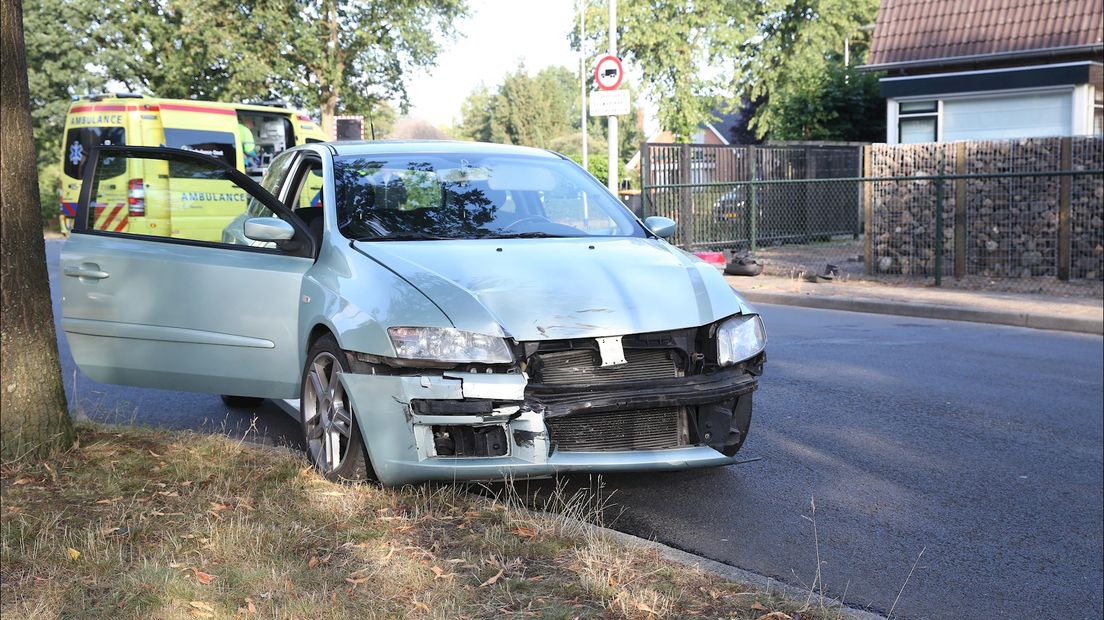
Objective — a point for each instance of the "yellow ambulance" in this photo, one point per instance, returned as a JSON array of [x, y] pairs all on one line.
[[144, 196]]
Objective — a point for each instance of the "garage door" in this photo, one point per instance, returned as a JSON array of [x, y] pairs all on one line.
[[1010, 116]]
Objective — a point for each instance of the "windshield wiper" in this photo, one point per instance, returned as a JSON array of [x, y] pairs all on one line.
[[524, 235], [415, 236]]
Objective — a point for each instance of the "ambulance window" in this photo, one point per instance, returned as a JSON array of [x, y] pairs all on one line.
[[217, 144], [79, 143]]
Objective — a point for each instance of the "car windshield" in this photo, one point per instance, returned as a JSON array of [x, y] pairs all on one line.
[[466, 196]]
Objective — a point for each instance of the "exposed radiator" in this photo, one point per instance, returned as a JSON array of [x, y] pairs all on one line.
[[648, 429], [585, 367]]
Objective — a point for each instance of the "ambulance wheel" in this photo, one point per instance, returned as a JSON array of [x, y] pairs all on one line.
[[241, 402]]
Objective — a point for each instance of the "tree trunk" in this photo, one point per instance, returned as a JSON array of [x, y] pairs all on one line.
[[330, 77], [34, 418], [329, 109]]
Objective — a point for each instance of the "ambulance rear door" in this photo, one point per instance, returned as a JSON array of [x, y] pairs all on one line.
[[89, 125], [201, 208]]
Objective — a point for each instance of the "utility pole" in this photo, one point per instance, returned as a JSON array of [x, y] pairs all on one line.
[[612, 182], [583, 76]]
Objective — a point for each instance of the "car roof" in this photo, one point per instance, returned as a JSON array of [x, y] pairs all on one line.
[[444, 147]]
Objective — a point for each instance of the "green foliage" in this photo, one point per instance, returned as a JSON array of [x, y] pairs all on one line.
[[675, 45], [532, 110], [334, 55], [49, 175], [542, 110], [796, 44], [699, 56], [841, 104]]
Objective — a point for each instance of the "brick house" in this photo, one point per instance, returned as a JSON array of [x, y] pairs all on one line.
[[989, 69]]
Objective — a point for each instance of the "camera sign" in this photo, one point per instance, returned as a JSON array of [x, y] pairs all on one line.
[[608, 73]]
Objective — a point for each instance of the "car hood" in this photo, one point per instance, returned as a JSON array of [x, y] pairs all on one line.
[[542, 289]]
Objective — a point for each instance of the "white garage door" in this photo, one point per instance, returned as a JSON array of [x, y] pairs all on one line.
[[1009, 116]]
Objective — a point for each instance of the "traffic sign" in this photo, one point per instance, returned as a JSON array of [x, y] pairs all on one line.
[[608, 72], [609, 103]]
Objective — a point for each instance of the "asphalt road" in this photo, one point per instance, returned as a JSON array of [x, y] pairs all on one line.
[[980, 446]]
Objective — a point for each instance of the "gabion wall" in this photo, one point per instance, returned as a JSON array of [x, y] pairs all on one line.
[[1011, 224]]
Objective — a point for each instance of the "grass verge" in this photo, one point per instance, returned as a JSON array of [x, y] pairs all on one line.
[[153, 524]]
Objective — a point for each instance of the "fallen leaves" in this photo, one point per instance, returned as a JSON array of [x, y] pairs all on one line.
[[493, 580], [441, 573], [74, 554], [525, 532], [202, 577]]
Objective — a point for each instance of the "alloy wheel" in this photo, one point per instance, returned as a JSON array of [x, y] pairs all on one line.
[[327, 415]]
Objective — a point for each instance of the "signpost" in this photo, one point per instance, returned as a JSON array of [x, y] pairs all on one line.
[[608, 72], [610, 103]]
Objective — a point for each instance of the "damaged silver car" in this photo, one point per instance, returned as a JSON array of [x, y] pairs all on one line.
[[447, 311]]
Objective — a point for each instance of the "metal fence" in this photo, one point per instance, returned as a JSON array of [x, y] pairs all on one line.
[[707, 185], [1022, 216]]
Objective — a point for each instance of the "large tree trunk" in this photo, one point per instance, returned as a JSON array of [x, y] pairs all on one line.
[[329, 110], [330, 77], [34, 418]]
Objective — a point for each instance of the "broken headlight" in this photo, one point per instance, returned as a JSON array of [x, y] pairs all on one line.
[[740, 338], [447, 344]]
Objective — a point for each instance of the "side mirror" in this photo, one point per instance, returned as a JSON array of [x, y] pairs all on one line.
[[662, 227], [268, 229]]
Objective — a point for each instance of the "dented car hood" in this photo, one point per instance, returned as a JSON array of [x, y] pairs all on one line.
[[544, 289]]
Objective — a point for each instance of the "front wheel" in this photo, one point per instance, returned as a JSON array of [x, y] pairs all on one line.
[[334, 444]]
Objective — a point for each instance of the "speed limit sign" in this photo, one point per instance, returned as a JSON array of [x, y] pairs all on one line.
[[608, 73]]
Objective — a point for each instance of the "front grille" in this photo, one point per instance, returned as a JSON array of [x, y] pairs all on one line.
[[583, 366], [648, 429]]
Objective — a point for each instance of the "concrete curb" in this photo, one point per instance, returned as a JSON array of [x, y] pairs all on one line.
[[949, 313], [738, 575]]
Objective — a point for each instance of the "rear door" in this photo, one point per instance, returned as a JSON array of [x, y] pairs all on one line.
[[183, 313], [87, 127]]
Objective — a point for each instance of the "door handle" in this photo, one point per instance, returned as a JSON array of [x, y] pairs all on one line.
[[91, 272]]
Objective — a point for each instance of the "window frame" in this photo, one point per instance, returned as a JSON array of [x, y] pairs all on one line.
[[305, 246]]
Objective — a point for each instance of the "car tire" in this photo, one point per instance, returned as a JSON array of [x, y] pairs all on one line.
[[330, 430], [241, 402]]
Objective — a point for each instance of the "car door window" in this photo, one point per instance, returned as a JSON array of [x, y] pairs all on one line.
[[172, 194]]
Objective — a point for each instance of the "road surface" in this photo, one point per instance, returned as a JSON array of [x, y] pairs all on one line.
[[979, 446]]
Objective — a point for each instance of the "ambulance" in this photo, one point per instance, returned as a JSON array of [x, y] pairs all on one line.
[[145, 197]]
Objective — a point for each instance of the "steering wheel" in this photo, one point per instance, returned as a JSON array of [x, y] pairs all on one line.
[[526, 219]]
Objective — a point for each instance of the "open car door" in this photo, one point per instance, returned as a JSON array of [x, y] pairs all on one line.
[[176, 312]]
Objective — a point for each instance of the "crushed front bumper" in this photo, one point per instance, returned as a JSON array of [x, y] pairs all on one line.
[[503, 418]]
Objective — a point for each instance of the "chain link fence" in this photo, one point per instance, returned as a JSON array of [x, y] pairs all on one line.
[[1012, 215]]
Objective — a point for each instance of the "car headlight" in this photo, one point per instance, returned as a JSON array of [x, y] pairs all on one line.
[[447, 344], [740, 338]]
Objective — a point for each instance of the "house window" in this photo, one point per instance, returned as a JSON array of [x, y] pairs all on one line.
[[1098, 112], [1023, 115], [917, 121]]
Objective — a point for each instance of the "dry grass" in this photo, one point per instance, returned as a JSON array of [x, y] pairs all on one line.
[[146, 524]]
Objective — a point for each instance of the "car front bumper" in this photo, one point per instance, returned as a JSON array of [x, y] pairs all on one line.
[[402, 447]]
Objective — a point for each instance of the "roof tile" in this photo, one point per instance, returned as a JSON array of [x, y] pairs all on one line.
[[911, 30]]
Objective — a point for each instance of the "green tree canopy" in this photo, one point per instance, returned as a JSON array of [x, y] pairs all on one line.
[[335, 56], [701, 56], [543, 110]]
